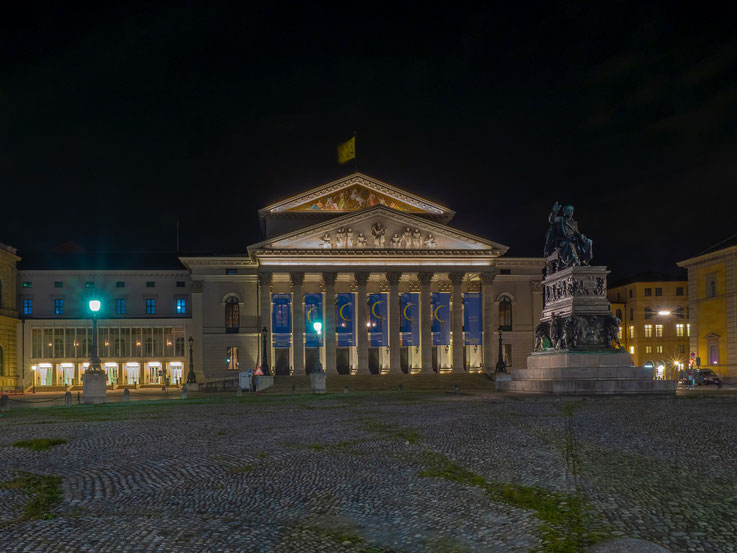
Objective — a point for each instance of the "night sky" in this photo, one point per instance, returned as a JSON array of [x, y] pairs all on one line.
[[119, 119]]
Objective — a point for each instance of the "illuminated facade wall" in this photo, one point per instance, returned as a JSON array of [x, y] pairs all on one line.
[[8, 319]]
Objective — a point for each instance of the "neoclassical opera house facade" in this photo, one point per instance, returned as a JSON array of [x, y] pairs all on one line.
[[392, 287]]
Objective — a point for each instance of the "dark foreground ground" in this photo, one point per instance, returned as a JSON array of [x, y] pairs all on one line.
[[370, 472]]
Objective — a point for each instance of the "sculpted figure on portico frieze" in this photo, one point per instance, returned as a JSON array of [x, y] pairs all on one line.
[[360, 240], [430, 241], [396, 241], [416, 239], [379, 231], [407, 238], [564, 238]]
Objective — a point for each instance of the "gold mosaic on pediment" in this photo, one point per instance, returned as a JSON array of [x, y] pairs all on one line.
[[354, 198]]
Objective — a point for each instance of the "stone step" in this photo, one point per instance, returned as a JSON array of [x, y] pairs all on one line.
[[589, 387], [583, 373]]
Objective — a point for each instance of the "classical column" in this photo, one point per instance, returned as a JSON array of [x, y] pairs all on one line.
[[264, 290], [360, 320], [298, 324], [394, 342], [456, 298], [487, 294], [329, 327], [425, 321]]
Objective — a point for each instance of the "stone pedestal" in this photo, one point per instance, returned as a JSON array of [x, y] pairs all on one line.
[[576, 346], [318, 382], [94, 388]]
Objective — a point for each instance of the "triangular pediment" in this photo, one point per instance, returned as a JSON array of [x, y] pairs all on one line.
[[356, 192], [379, 228]]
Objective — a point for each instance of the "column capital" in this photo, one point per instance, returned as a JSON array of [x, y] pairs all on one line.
[[329, 278], [264, 278], [393, 277], [196, 286], [456, 277], [536, 286], [296, 278], [487, 277], [425, 277], [361, 277]]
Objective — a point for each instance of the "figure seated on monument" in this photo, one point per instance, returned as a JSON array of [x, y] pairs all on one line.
[[565, 246]]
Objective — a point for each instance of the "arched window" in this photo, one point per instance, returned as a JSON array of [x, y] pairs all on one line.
[[713, 354], [232, 315], [505, 313], [619, 314], [2, 362]]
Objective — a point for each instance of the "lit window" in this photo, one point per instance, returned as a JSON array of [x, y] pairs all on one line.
[[632, 350], [231, 358], [28, 306], [659, 331], [658, 291], [150, 284], [688, 329], [679, 330], [619, 333], [58, 306], [648, 331], [648, 349], [120, 306], [659, 349], [181, 305], [632, 332], [150, 306], [59, 284], [713, 354]]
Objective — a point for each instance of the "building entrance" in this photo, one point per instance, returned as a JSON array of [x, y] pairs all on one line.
[[373, 360], [343, 360]]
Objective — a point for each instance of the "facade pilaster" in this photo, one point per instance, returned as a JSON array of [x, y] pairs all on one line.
[[361, 320], [425, 321], [456, 298], [264, 287], [330, 336], [394, 341], [298, 323], [198, 324], [488, 293]]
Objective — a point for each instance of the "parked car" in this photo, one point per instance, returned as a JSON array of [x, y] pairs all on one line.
[[707, 376]]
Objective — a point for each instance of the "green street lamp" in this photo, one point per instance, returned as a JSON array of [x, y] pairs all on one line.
[[317, 325], [95, 367]]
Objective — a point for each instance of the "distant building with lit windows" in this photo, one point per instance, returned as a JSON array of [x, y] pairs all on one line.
[[653, 310], [713, 307]]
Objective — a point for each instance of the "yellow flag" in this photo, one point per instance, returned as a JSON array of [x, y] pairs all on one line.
[[347, 150]]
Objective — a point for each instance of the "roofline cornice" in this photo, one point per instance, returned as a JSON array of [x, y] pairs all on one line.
[[707, 257]]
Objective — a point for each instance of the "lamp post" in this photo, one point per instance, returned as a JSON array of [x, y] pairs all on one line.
[[33, 368], [264, 358], [191, 377], [501, 367], [94, 382], [95, 366]]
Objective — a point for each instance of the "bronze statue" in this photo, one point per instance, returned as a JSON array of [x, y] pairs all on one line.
[[564, 238]]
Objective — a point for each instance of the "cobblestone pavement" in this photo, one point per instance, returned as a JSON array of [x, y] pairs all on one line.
[[345, 473]]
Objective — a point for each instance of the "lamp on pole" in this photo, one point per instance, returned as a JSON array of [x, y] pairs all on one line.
[[33, 368], [94, 381], [191, 377], [95, 366], [264, 358], [501, 367]]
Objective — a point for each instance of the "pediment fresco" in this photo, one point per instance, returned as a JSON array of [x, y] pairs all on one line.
[[354, 198]]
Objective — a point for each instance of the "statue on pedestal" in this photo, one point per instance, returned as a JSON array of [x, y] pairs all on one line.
[[564, 239]]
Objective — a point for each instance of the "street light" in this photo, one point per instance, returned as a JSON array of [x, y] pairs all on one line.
[[501, 366], [191, 377], [94, 368], [33, 368], [317, 325], [264, 358]]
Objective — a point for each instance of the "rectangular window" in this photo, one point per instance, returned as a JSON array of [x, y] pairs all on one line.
[[632, 350], [150, 306], [59, 284], [711, 285], [120, 306], [27, 306], [231, 358], [120, 284], [58, 306], [648, 291], [659, 331], [658, 291], [630, 292], [679, 291], [180, 284], [181, 306], [150, 284], [679, 329], [681, 348], [89, 284], [648, 349], [231, 271], [648, 331], [658, 349], [632, 332], [27, 284], [688, 329]]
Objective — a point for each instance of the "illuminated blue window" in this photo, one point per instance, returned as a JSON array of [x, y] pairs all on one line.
[[58, 306], [28, 307], [120, 306], [181, 305], [150, 306]]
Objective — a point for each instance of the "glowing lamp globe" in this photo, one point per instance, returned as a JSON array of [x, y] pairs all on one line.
[[318, 327], [95, 305]]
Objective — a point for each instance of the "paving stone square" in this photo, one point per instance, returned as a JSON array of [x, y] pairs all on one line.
[[392, 471]]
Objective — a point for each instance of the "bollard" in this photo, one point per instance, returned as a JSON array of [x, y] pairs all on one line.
[[294, 389], [4, 403], [126, 395], [345, 389], [239, 391], [184, 392], [400, 388], [68, 399]]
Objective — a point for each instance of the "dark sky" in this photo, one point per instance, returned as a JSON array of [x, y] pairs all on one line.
[[117, 119]]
